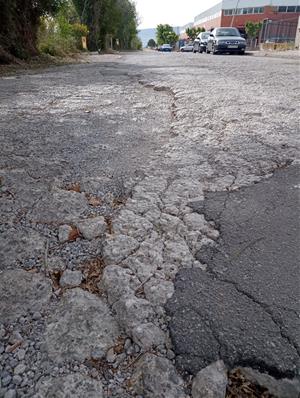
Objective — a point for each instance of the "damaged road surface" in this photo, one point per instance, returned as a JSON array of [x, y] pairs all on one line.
[[244, 308], [148, 229]]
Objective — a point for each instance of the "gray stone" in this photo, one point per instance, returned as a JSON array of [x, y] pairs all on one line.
[[156, 377], [282, 388], [130, 224], [111, 355], [118, 248], [132, 311], [158, 291], [117, 282], [15, 337], [92, 228], [170, 354], [36, 316], [64, 233], [211, 382], [10, 394], [21, 291], [98, 354], [20, 369], [5, 380], [17, 380], [70, 386], [56, 264], [81, 323], [71, 278], [148, 336], [21, 354]]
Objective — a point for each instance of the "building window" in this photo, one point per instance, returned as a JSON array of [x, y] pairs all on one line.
[[282, 9], [259, 10], [291, 9], [244, 11], [298, 9]]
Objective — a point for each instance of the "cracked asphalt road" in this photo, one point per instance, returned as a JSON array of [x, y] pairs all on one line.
[[158, 144], [244, 308]]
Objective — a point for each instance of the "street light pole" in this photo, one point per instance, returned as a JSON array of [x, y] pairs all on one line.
[[236, 7]]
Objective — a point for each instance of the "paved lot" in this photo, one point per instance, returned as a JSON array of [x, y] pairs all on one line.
[[154, 143]]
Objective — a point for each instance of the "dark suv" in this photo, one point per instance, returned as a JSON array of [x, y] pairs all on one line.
[[201, 42], [226, 40]]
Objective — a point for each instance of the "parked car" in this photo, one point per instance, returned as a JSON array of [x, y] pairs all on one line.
[[165, 48], [189, 47], [226, 40], [201, 42]]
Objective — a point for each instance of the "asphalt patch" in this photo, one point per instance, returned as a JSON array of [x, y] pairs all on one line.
[[245, 308]]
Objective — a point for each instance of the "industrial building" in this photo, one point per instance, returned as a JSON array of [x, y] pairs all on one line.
[[238, 12]]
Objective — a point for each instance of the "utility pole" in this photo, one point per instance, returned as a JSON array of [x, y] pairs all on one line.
[[235, 10]]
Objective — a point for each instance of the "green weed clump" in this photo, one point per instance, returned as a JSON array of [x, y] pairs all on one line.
[[58, 37]]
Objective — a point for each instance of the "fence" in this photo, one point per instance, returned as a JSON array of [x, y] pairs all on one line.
[[278, 32]]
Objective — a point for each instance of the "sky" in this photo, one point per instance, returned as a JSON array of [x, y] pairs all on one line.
[[173, 12]]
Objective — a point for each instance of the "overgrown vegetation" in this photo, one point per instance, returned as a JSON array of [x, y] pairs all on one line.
[[165, 34], [56, 27], [110, 22], [19, 23], [62, 34]]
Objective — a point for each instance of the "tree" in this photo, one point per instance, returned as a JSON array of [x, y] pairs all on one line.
[[109, 20], [19, 22], [192, 33], [165, 34], [253, 29], [151, 43]]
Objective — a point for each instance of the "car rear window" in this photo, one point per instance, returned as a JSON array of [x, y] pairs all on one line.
[[227, 32]]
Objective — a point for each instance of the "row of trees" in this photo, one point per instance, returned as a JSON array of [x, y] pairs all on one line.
[[114, 20], [23, 21]]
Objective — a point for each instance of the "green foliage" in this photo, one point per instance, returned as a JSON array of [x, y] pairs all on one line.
[[253, 29], [151, 43], [108, 21], [136, 43], [194, 32], [58, 36], [19, 22], [26, 25], [166, 35]]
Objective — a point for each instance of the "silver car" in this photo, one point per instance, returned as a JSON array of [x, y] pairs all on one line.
[[226, 40], [187, 48]]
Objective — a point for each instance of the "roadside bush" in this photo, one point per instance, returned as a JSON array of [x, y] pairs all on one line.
[[136, 44], [56, 45], [57, 37]]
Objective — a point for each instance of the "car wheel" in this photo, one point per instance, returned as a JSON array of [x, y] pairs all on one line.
[[242, 52], [200, 51], [207, 51]]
